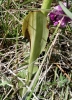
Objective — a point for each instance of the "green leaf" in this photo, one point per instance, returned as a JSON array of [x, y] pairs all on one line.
[[1, 1], [5, 83], [22, 74], [66, 93], [35, 69], [62, 80], [38, 33], [35, 29], [67, 12]]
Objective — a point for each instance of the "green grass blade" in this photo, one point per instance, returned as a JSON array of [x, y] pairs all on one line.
[[67, 12]]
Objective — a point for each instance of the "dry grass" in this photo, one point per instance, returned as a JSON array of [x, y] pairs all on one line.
[[55, 79]]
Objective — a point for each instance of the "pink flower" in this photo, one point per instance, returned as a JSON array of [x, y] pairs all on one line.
[[57, 14]]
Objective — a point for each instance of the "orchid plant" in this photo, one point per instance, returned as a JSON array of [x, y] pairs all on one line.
[[35, 29]]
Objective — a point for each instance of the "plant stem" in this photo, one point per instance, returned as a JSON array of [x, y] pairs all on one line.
[[46, 5]]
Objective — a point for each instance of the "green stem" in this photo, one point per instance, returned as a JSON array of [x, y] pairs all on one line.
[[46, 5]]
